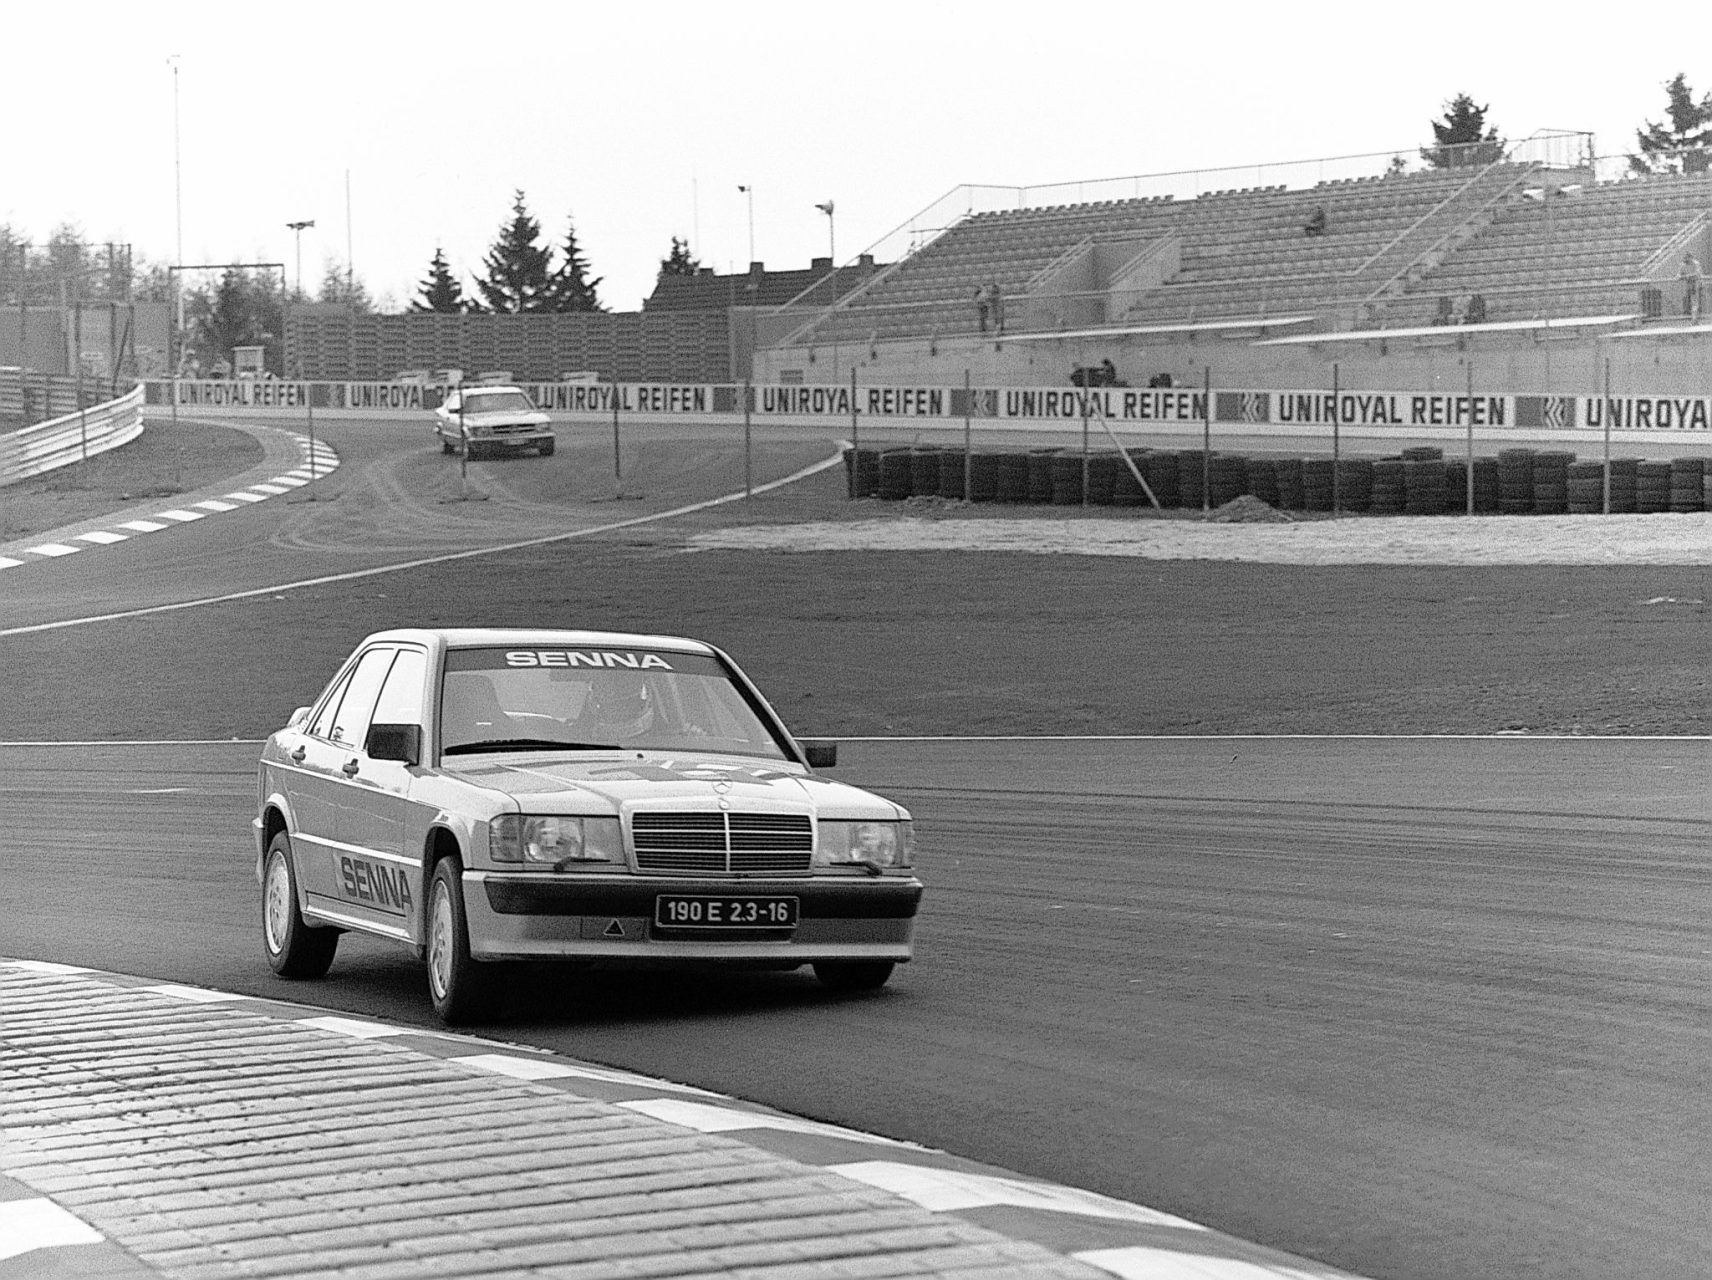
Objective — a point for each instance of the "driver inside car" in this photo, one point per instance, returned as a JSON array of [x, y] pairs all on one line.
[[620, 706]]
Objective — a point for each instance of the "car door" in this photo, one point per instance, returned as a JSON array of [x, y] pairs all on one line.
[[379, 878], [328, 763], [306, 775]]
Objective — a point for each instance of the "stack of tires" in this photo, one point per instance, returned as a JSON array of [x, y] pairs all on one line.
[[1551, 482], [1161, 473], [1066, 479], [1227, 478], [1355, 484], [1040, 475], [1263, 480], [1515, 481], [1103, 471], [1687, 484], [1586, 488], [1419, 482], [896, 475], [1192, 468], [1317, 474], [1385, 492], [1652, 487]]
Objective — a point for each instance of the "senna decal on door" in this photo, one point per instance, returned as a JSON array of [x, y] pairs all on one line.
[[374, 885]]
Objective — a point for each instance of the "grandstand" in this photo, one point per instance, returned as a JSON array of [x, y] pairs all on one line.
[[1529, 236]]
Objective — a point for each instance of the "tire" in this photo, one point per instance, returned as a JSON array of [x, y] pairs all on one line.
[[294, 949], [446, 446], [458, 986], [853, 975], [546, 448]]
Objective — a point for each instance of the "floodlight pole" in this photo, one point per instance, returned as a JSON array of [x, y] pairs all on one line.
[[299, 228]]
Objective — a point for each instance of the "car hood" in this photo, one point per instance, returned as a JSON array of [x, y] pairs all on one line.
[[499, 417], [661, 780]]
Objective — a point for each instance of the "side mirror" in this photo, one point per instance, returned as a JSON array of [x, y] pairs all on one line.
[[820, 755], [401, 742]]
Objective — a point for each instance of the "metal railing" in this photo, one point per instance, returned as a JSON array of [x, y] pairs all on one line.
[[73, 437]]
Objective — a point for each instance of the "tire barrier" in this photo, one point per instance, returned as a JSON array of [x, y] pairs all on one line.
[[1414, 482]]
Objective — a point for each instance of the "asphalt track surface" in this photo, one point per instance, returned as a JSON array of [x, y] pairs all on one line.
[[1417, 1008]]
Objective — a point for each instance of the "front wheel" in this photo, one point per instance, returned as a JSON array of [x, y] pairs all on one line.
[[853, 975], [458, 986], [294, 950]]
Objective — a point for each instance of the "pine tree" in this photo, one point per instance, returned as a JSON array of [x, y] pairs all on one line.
[[519, 271], [569, 288], [1684, 146], [440, 291], [679, 262], [339, 285], [1463, 140]]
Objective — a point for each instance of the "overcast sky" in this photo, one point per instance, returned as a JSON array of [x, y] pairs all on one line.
[[641, 120]]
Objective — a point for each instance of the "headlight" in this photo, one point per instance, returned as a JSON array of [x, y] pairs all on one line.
[[880, 844], [555, 844]]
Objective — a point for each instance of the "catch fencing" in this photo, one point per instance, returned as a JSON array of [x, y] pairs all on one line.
[[72, 437]]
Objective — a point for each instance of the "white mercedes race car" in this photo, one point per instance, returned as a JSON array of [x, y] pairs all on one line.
[[485, 796], [491, 419]]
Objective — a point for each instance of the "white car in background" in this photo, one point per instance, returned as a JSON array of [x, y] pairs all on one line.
[[492, 419]]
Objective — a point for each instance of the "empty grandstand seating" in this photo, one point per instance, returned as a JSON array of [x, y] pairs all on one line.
[[1530, 242]]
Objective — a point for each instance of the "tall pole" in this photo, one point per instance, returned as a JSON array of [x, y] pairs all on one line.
[[299, 227], [350, 256], [178, 211], [749, 193]]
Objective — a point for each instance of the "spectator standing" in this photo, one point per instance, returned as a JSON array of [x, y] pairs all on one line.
[[1690, 275], [996, 304], [982, 303]]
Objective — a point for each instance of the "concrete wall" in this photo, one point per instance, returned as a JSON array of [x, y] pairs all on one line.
[[1565, 365]]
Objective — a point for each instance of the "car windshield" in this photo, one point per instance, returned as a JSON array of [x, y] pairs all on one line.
[[497, 402], [555, 698]]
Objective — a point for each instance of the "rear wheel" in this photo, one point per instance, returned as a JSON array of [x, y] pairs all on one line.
[[294, 949], [459, 987], [446, 445], [853, 975]]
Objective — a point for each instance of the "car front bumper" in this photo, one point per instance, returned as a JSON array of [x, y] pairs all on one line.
[[843, 919]]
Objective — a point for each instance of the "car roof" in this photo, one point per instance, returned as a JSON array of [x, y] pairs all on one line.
[[537, 637], [485, 388]]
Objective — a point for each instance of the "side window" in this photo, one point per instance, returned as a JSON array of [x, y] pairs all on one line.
[[400, 700], [323, 719], [351, 721]]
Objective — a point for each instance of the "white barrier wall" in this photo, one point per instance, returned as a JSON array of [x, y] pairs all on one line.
[[1258, 411], [75, 437]]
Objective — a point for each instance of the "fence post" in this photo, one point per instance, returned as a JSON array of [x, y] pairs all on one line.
[[1470, 464], [748, 462], [968, 448], [1337, 440], [1206, 441], [617, 469]]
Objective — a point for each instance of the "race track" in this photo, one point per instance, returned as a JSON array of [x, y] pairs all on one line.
[[1420, 1008]]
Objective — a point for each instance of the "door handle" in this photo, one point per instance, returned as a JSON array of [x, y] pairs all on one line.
[[299, 754], [350, 768]]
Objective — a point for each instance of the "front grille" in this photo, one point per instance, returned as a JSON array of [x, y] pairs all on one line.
[[717, 843]]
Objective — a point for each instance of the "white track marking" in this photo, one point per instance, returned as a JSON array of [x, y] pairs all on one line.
[[321, 461], [353, 1028], [943, 1190], [704, 1118], [195, 995], [1140, 1263], [27, 1225], [836, 460]]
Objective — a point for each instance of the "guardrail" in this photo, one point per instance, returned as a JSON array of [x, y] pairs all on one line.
[[70, 438]]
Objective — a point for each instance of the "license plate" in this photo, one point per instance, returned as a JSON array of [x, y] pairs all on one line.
[[682, 911]]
